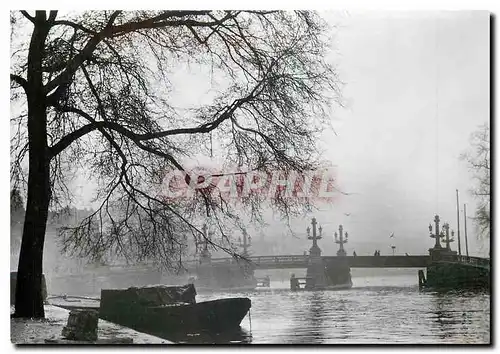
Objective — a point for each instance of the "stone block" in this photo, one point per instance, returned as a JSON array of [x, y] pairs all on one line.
[[82, 325]]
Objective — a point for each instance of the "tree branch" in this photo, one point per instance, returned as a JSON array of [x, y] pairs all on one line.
[[113, 17], [120, 30], [204, 128], [52, 16], [20, 81], [70, 138], [74, 135], [28, 16], [75, 26]]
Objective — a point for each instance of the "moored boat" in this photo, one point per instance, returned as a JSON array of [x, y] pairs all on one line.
[[236, 289], [163, 310]]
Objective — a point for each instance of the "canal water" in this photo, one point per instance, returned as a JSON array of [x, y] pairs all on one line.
[[376, 310]]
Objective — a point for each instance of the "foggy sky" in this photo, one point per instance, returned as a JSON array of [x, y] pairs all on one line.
[[416, 87]]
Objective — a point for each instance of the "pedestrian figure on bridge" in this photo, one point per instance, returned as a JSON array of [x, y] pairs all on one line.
[[406, 254], [354, 253], [375, 254]]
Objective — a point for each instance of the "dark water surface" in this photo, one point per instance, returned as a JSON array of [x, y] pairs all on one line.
[[377, 310]]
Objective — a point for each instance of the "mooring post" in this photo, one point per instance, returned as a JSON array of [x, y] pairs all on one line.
[[458, 227], [465, 221], [421, 279]]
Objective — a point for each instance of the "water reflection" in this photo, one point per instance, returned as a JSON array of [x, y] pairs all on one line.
[[443, 317], [239, 335], [320, 315], [308, 317], [461, 315], [344, 319], [314, 317], [369, 313]]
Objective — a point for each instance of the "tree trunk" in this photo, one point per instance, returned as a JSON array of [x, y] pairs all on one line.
[[29, 302]]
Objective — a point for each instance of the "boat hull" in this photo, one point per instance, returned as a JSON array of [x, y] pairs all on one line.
[[208, 316], [223, 290]]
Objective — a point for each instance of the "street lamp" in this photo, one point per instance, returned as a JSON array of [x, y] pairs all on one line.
[[315, 250], [446, 235], [247, 242], [340, 240], [436, 234], [204, 240]]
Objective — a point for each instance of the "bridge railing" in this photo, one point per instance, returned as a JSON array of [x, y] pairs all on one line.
[[474, 261], [259, 260], [279, 259], [227, 260]]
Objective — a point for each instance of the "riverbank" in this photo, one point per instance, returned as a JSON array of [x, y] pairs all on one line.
[[27, 331]]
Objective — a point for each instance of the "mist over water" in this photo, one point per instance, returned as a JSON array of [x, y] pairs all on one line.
[[377, 310], [417, 86], [384, 306]]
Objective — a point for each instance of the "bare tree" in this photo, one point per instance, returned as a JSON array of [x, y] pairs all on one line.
[[478, 160], [93, 91], [16, 220]]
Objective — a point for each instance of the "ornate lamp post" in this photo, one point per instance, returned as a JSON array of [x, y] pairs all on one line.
[[205, 254], [436, 236], [448, 240], [247, 242], [315, 250], [340, 240]]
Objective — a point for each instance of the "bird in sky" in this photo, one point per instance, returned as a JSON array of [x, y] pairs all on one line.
[[347, 214], [392, 235]]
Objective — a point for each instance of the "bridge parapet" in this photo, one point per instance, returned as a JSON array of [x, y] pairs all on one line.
[[279, 259], [302, 261], [472, 261], [261, 262], [382, 261]]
